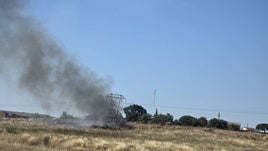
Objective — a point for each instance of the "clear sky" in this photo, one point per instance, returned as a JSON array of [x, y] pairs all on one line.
[[202, 57]]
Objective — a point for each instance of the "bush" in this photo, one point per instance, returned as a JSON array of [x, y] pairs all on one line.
[[12, 130], [188, 120], [234, 127], [202, 121], [145, 118], [161, 118], [221, 124], [176, 122], [47, 140]]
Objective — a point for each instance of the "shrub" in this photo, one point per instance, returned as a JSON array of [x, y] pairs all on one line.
[[221, 124], [188, 120], [176, 122], [202, 121], [161, 118], [145, 118], [234, 127], [47, 140], [12, 130]]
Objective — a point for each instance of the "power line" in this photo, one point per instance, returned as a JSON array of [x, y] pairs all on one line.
[[206, 109], [168, 107]]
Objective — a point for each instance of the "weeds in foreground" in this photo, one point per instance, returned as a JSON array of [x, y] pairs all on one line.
[[29, 136]]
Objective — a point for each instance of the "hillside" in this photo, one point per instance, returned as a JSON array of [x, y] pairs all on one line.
[[31, 135]]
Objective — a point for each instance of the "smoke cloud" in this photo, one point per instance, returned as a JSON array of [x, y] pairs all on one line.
[[43, 69]]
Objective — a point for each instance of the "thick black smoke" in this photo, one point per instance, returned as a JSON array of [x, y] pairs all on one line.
[[43, 69]]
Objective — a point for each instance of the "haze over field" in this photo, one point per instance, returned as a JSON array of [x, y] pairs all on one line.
[[43, 69], [202, 57]]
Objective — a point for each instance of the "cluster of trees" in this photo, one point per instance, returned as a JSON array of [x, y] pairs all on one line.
[[263, 127], [137, 113], [188, 120]]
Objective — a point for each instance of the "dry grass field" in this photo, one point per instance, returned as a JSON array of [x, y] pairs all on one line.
[[26, 135]]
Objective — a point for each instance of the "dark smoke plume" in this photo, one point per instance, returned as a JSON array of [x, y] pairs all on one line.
[[43, 69]]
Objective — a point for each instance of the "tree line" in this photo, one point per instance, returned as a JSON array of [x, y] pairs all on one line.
[[136, 113]]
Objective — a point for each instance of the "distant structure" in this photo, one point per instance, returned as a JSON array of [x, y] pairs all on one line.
[[154, 102], [117, 100], [219, 116], [114, 117], [14, 114]]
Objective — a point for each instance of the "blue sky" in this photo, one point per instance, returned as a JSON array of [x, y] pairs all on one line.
[[202, 57]]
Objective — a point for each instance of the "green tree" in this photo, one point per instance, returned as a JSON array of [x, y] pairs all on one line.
[[133, 112], [161, 118], [221, 124], [188, 120], [263, 127], [202, 121], [145, 118], [156, 112]]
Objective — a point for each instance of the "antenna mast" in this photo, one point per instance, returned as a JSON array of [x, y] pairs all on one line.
[[154, 99]]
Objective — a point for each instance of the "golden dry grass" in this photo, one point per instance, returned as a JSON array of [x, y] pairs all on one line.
[[25, 135]]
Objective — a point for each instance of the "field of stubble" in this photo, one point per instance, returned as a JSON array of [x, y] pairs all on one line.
[[29, 135]]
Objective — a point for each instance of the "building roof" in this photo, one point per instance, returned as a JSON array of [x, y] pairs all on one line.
[[24, 114]]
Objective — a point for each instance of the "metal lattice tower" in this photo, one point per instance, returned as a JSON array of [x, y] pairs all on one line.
[[117, 100], [114, 117]]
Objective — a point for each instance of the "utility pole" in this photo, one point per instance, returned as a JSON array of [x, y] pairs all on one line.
[[154, 100]]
